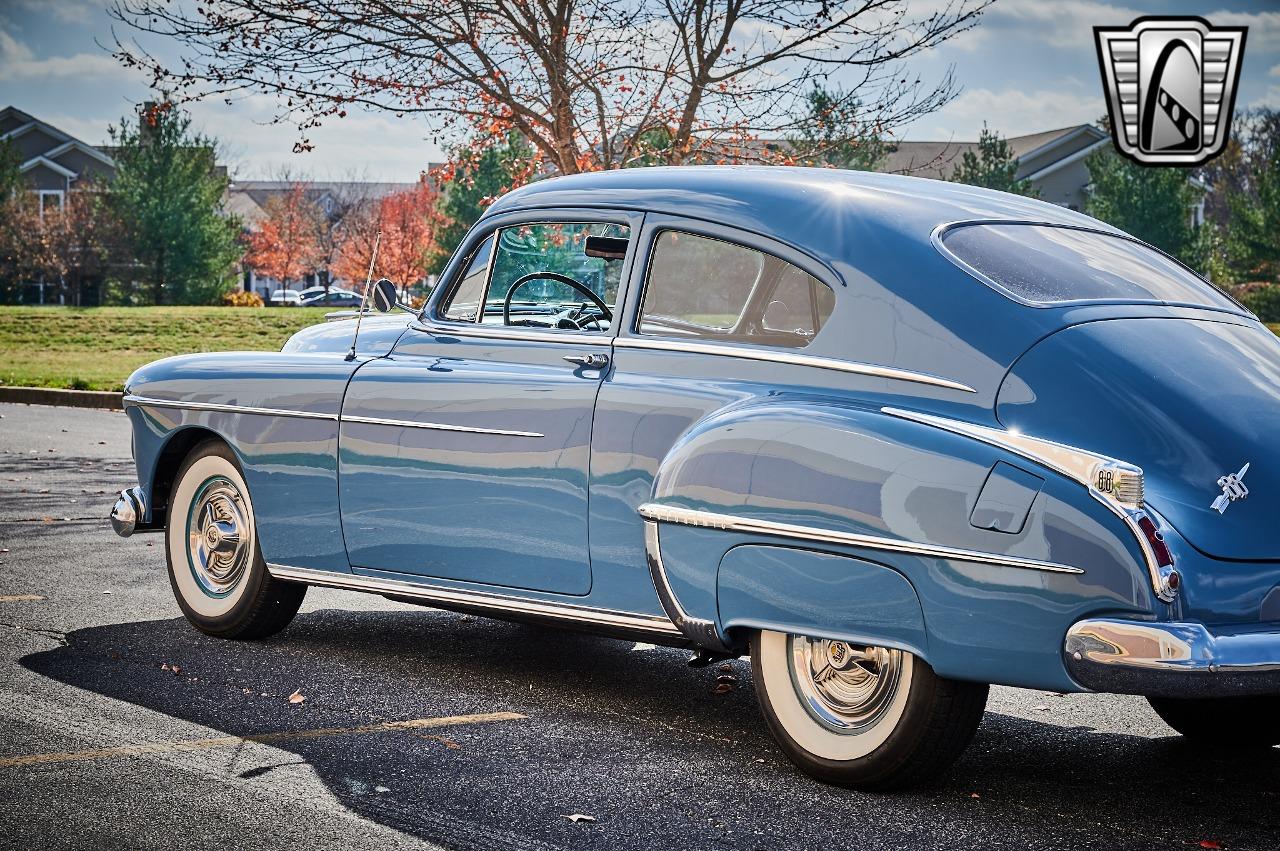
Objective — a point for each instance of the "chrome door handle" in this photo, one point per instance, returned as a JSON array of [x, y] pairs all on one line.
[[596, 361]]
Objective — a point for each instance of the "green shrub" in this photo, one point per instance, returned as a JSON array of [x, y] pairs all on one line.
[[1262, 299]]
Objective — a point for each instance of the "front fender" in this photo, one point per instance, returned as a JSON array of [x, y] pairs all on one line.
[[827, 476], [278, 412]]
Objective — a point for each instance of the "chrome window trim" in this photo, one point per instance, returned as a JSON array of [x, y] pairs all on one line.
[[466, 329], [1158, 575], [748, 525], [793, 359], [438, 426], [479, 599], [217, 407]]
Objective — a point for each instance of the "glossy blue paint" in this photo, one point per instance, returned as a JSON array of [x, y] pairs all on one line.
[[772, 587], [533, 483], [289, 463], [472, 506]]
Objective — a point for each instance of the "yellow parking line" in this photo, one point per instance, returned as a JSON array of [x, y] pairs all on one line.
[[19, 598], [232, 741]]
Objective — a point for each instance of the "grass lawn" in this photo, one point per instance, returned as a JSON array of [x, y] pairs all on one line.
[[96, 348]]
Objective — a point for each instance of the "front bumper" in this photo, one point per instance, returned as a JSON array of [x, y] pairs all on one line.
[[127, 515], [1186, 660]]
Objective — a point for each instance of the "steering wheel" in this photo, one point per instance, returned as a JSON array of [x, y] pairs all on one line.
[[563, 279]]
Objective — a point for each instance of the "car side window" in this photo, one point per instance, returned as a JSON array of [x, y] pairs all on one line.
[[534, 264], [463, 305], [704, 288]]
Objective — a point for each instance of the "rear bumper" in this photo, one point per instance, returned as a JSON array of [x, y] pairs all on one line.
[[1185, 660]]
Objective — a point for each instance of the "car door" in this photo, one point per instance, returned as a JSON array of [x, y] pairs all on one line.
[[465, 453]]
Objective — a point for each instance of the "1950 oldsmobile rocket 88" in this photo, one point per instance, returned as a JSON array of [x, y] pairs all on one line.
[[895, 438]]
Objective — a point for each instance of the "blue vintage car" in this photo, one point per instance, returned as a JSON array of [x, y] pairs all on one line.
[[895, 438]]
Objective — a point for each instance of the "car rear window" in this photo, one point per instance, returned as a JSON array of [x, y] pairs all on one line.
[[1044, 264]]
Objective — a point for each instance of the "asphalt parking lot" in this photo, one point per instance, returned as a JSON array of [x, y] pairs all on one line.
[[369, 724]]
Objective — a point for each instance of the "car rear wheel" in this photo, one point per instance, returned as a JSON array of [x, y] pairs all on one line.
[[215, 566], [1231, 721], [872, 718]]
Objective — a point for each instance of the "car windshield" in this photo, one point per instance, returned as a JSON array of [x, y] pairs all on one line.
[[1045, 264]]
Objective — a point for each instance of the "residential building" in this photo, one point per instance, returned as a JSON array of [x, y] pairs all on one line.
[[53, 161]]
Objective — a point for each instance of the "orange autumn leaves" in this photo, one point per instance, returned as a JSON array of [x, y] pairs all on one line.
[[289, 241]]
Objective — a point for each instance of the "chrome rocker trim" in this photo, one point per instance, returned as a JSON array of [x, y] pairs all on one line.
[[733, 523], [703, 633], [1181, 660], [499, 604], [817, 362], [216, 407]]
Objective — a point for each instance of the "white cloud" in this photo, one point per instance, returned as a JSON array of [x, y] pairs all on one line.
[[1069, 24], [1012, 112], [18, 62], [1275, 71], [1270, 99], [1066, 24]]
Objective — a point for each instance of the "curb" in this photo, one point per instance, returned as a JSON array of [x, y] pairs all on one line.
[[62, 398]]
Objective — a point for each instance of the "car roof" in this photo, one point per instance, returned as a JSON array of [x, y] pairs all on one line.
[[798, 205]]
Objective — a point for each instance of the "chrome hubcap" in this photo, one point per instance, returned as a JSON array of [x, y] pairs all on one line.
[[218, 536], [846, 687]]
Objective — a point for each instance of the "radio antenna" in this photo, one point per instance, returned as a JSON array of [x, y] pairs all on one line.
[[351, 355]]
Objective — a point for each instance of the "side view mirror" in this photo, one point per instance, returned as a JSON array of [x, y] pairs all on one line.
[[383, 295]]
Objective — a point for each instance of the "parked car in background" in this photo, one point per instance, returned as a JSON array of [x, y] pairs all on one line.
[[895, 438], [334, 298], [285, 298], [310, 292]]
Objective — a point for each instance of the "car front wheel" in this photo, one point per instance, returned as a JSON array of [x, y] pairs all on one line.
[[872, 718], [215, 566], [1231, 721]]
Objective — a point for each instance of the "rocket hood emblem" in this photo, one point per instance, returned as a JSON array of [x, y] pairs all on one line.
[[1233, 488]]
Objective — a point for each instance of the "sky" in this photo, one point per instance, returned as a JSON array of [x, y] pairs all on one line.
[[1029, 65]]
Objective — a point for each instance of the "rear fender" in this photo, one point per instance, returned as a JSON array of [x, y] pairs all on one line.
[[890, 494]]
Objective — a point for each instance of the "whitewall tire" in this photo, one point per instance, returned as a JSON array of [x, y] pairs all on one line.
[[862, 716], [215, 566]]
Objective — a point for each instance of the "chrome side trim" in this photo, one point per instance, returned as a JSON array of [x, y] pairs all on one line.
[[734, 523], [702, 633], [437, 426], [146, 402], [1030, 449], [1183, 660], [477, 599], [504, 333], [778, 356]]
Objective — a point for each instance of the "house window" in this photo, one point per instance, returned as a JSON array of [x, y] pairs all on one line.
[[51, 199]]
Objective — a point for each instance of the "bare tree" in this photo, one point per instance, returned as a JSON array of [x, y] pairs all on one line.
[[590, 83]]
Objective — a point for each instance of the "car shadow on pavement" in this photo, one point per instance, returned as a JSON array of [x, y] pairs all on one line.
[[660, 754]]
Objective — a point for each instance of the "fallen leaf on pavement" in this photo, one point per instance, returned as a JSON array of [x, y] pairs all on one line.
[[579, 817], [448, 743], [722, 688], [1209, 843], [297, 697]]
